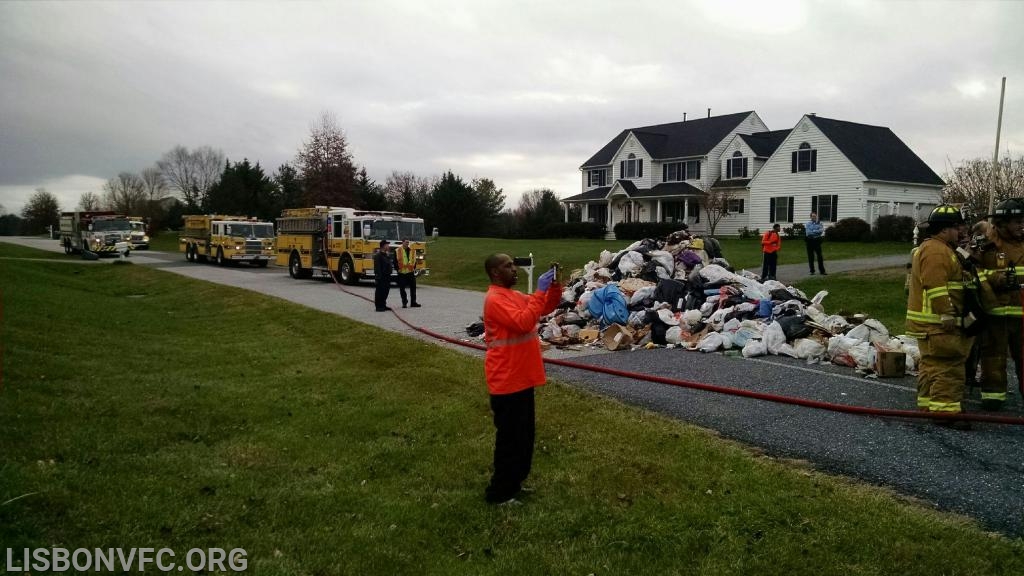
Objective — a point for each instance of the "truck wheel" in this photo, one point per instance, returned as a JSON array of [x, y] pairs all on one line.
[[295, 269], [67, 247], [220, 257], [347, 272], [188, 253]]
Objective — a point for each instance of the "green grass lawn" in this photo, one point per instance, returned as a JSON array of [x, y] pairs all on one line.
[[166, 240], [141, 408]]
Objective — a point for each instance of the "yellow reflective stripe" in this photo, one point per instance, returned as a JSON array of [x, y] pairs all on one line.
[[924, 317], [922, 401], [1001, 396], [1006, 311], [917, 335], [511, 341], [934, 406], [939, 291]]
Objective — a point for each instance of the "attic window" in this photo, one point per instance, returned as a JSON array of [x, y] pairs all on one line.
[[805, 159], [632, 167]]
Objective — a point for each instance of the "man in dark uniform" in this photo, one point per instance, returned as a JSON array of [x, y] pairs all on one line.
[[382, 276]]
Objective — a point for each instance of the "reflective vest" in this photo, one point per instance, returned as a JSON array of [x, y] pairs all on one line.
[[937, 284], [513, 362], [998, 296], [406, 260]]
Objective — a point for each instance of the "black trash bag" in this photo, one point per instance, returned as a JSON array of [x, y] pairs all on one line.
[[658, 328], [713, 248], [649, 271], [475, 329], [794, 327], [671, 291]]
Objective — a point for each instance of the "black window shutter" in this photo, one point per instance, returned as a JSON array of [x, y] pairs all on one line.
[[640, 168], [793, 168], [790, 208], [744, 167], [741, 205], [814, 160], [697, 177], [664, 172], [814, 203], [590, 179], [771, 209], [835, 207], [728, 168], [622, 169]]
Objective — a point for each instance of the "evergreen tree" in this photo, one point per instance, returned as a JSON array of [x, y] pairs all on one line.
[[369, 196], [289, 188], [40, 212], [328, 174], [243, 190]]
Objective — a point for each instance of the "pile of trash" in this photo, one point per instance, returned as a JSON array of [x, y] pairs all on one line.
[[681, 293]]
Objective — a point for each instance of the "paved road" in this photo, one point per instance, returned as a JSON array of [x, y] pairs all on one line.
[[978, 473]]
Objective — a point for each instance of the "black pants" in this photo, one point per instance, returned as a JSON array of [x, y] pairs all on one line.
[[380, 295], [407, 281], [513, 443], [814, 249], [769, 266]]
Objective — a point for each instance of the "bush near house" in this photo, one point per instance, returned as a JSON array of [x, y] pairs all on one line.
[[746, 233], [894, 228], [795, 231], [640, 230], [590, 230], [849, 230]]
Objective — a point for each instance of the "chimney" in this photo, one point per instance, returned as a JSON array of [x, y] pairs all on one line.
[[684, 116], [812, 114], [709, 112]]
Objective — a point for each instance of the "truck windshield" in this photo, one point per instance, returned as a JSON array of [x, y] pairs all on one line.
[[412, 231], [250, 230], [396, 230], [110, 226], [138, 227]]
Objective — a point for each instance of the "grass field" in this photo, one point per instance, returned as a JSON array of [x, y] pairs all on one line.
[[141, 408]]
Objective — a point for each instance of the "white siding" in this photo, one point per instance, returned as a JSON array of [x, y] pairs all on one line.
[[632, 146], [911, 200], [712, 167], [734, 145], [835, 174]]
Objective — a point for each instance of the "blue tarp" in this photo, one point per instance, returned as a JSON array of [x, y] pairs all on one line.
[[609, 305]]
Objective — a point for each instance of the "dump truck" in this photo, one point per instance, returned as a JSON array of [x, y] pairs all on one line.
[[139, 239], [226, 239], [101, 233], [341, 242]]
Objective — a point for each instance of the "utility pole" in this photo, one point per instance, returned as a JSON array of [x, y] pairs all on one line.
[[995, 155]]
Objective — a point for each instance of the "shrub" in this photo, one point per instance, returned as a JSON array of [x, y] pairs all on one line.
[[894, 228], [746, 233], [795, 231], [591, 230], [849, 230], [641, 230]]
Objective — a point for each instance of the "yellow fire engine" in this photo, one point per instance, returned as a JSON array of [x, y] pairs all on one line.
[[227, 239], [342, 241]]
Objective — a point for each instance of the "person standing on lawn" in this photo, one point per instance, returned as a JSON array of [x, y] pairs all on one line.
[[814, 234], [936, 310], [405, 262], [382, 276], [771, 243], [513, 368]]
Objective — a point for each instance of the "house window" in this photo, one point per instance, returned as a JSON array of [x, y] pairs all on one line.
[[805, 159], [781, 209], [596, 177], [597, 213], [736, 206], [827, 207], [672, 211], [736, 167], [632, 167], [678, 171]]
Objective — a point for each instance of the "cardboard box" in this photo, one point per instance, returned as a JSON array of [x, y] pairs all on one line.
[[890, 364], [617, 337], [589, 334]]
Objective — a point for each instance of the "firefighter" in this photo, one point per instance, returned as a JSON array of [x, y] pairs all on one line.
[[936, 314], [405, 263], [1002, 270]]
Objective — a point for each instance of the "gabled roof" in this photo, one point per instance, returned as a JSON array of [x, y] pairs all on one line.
[[628, 186], [877, 152], [764, 144], [672, 189], [675, 140], [589, 195], [665, 189]]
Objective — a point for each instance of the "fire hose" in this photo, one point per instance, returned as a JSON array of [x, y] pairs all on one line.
[[777, 398]]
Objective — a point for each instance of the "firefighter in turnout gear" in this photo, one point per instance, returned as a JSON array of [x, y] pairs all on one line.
[[1002, 271], [937, 314], [405, 264]]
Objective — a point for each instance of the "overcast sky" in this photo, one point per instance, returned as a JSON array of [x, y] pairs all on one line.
[[519, 92]]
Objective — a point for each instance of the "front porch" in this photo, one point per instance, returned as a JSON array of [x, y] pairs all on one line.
[[623, 202]]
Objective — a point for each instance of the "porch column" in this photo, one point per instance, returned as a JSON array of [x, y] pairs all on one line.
[[659, 211], [565, 208], [608, 216], [686, 211]]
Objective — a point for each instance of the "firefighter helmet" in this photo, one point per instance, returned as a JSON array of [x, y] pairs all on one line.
[[1009, 208], [945, 215]]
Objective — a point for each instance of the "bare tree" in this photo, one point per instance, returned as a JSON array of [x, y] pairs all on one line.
[[179, 172], [716, 206], [407, 192], [154, 184], [125, 194], [40, 212], [971, 182], [209, 165], [325, 164], [89, 202]]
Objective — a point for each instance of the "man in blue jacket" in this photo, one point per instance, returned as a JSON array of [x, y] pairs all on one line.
[[814, 233]]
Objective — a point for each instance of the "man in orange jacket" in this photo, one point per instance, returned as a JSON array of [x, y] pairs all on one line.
[[513, 367], [771, 242]]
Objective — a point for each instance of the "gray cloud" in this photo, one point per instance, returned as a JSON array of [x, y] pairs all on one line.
[[520, 92]]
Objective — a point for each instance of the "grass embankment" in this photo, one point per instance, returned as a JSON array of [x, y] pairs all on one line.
[[141, 408]]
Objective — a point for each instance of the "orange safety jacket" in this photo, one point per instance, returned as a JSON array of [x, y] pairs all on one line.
[[513, 362], [771, 242], [406, 260]]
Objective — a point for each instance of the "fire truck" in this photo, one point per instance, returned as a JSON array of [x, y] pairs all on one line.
[[342, 241], [138, 239], [226, 239], [101, 233]]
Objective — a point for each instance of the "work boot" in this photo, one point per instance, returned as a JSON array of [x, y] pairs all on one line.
[[992, 405], [415, 305]]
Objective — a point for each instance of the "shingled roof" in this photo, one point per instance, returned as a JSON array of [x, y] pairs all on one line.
[[764, 144], [877, 152], [675, 140]]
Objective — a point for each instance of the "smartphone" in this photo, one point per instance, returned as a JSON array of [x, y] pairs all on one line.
[[523, 261]]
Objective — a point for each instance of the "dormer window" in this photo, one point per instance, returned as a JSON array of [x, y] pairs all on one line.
[[805, 159], [736, 167], [632, 167], [679, 171]]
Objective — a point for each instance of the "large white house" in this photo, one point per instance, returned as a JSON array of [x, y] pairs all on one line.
[[838, 169]]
